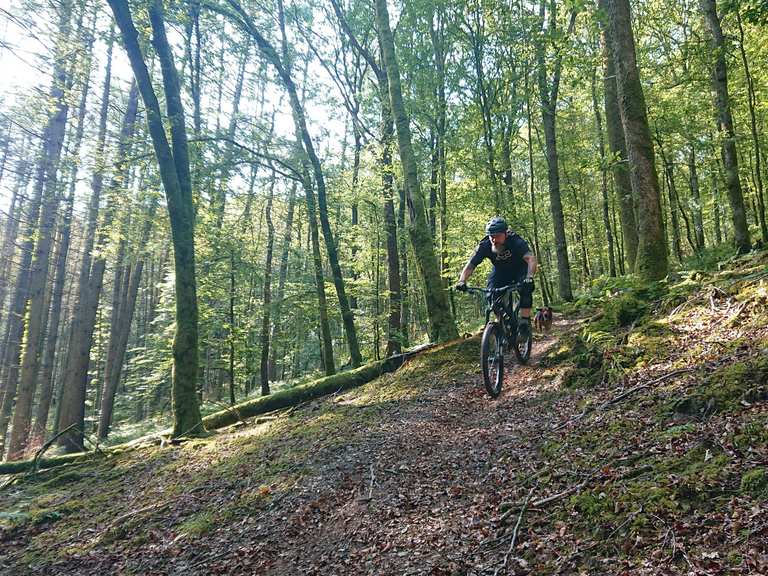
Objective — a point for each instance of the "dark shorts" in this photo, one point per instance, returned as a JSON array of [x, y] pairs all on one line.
[[496, 280]]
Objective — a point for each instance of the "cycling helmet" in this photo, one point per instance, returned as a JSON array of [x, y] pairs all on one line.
[[496, 225]]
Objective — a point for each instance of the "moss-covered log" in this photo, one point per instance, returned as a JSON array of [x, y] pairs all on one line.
[[26, 465], [283, 399], [303, 393]]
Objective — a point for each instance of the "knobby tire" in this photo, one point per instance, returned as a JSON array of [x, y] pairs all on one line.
[[492, 359]]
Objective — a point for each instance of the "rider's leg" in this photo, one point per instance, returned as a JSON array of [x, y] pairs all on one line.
[[526, 303]]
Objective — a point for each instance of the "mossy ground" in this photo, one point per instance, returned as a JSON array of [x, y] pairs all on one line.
[[413, 472]]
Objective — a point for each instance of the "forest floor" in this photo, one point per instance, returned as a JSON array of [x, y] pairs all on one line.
[[635, 442]]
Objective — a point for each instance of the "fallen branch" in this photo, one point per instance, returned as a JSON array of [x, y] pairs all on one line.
[[515, 531], [48, 444]]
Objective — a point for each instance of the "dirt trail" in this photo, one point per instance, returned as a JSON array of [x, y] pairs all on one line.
[[420, 496]]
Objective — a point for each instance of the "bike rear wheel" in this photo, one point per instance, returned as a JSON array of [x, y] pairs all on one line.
[[492, 358]]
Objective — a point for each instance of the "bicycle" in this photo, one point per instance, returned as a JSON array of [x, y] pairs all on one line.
[[498, 333]]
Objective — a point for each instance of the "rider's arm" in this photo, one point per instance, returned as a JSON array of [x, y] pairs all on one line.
[[482, 251], [530, 259], [466, 273]]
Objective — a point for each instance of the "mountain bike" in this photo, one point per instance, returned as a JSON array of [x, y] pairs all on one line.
[[500, 332]]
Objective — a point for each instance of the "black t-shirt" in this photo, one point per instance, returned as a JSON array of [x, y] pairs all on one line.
[[508, 263]]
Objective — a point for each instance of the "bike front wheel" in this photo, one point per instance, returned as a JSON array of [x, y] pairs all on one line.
[[492, 358]]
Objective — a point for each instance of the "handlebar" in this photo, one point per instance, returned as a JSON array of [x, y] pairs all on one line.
[[475, 290]]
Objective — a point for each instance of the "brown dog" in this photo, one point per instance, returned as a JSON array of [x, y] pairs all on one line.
[[542, 321]]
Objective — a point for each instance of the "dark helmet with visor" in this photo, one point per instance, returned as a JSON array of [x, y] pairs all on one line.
[[496, 225]]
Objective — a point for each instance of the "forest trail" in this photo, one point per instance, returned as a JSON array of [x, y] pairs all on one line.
[[634, 443]]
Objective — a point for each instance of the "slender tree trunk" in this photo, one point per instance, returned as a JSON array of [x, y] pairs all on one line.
[[441, 322], [119, 337], [15, 214], [725, 126], [394, 332], [325, 329], [752, 101], [669, 173], [532, 189], [282, 275], [548, 94], [37, 434], [267, 302], [651, 262], [405, 307], [698, 217], [477, 42], [603, 177]]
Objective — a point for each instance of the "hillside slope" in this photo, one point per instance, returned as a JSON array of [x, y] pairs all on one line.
[[636, 442]]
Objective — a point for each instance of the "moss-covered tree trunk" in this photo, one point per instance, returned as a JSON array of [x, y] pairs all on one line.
[[725, 125], [651, 262], [173, 162], [618, 147], [441, 322]]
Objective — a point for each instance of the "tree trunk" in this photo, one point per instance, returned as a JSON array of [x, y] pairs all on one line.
[[173, 161], [326, 345], [267, 302], [716, 208], [698, 217], [669, 173], [441, 322], [119, 338], [405, 308], [618, 146], [725, 126], [548, 95], [603, 177], [477, 42], [394, 331], [752, 101], [531, 181], [651, 262], [15, 215], [282, 275]]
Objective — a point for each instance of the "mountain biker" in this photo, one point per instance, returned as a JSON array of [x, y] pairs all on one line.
[[513, 262]]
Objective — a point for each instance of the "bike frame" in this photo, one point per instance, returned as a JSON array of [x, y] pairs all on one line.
[[494, 302]]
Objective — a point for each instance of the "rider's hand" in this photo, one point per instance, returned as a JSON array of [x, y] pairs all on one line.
[[461, 286]]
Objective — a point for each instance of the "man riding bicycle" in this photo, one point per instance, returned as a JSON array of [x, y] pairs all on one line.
[[513, 262]]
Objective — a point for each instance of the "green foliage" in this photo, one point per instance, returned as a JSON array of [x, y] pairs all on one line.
[[726, 388], [197, 525], [755, 483]]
